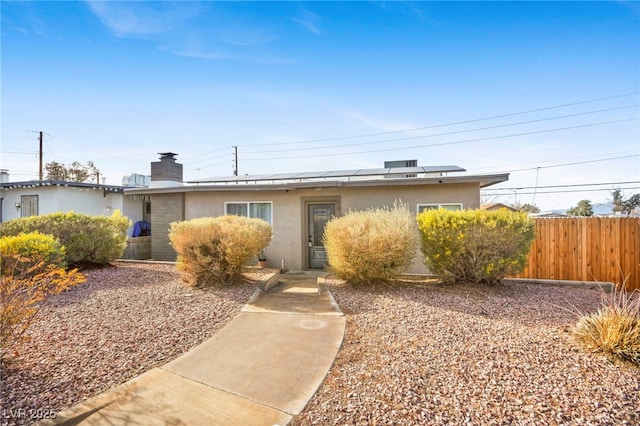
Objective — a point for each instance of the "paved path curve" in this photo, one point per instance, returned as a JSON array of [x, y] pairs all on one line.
[[260, 369]]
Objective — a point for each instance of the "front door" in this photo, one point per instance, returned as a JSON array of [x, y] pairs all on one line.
[[319, 215]]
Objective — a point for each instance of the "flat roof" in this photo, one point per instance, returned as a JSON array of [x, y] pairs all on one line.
[[60, 183], [276, 185]]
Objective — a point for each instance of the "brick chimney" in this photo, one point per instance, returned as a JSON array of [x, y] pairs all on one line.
[[166, 172]]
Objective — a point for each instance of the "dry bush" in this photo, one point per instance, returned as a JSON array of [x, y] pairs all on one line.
[[370, 246], [213, 250], [23, 291], [615, 328]]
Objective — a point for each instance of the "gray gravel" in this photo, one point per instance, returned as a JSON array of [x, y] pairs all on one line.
[[123, 321], [475, 355]]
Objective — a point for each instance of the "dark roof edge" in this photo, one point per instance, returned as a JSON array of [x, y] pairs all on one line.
[[50, 183]]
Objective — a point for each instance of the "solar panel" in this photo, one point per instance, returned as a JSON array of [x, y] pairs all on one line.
[[331, 174]]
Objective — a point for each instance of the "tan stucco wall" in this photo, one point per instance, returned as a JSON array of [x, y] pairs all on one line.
[[289, 242]]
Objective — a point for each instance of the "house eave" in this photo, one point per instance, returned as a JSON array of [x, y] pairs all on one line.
[[482, 180]]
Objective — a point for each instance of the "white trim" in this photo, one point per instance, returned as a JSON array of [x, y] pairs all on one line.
[[248, 203]]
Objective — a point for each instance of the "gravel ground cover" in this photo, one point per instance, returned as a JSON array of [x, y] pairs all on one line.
[[470, 355], [412, 354], [126, 319]]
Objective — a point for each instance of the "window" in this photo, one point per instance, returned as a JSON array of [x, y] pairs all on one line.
[[449, 206], [28, 205], [253, 209]]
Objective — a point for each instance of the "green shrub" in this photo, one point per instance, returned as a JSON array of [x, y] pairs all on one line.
[[27, 250], [87, 239], [475, 246], [371, 246], [614, 329], [213, 250]]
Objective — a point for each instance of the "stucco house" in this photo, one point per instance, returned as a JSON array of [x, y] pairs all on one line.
[[496, 207], [36, 197], [298, 205]]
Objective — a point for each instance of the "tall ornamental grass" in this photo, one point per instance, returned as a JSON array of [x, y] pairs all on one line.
[[371, 246], [213, 250], [475, 246], [615, 328]]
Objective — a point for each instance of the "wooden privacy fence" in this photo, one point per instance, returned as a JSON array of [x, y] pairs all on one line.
[[586, 249]]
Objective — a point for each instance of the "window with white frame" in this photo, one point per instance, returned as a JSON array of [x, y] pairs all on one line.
[[28, 205], [254, 209], [446, 206]]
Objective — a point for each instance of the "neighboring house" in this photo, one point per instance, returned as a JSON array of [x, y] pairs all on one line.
[[31, 198], [497, 206], [547, 214], [298, 205]]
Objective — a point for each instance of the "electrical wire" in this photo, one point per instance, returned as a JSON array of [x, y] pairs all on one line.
[[447, 143], [444, 134], [573, 185], [574, 163], [18, 152], [211, 165], [484, 194], [508, 167], [447, 124], [186, 159]]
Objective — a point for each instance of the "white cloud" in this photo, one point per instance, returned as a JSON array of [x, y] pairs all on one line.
[[309, 21], [126, 19]]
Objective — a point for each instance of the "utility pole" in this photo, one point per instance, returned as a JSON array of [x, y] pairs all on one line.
[[235, 161], [40, 156]]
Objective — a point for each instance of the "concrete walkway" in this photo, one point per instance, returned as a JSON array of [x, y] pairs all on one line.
[[260, 369]]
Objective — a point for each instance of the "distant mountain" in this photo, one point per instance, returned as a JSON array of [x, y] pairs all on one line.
[[603, 208], [599, 209]]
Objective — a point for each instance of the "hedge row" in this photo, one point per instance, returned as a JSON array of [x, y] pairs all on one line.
[[471, 246], [87, 239]]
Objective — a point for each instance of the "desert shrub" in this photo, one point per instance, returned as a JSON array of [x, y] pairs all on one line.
[[87, 239], [32, 248], [24, 290], [614, 329], [213, 250], [370, 246], [475, 246]]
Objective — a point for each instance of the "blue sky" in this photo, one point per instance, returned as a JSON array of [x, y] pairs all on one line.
[[547, 91]]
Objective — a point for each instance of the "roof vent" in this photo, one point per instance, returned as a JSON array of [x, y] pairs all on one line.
[[400, 164]]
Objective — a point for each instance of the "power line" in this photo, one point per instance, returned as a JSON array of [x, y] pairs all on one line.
[[206, 153], [507, 166], [574, 163], [211, 165], [447, 133], [19, 152], [210, 158], [568, 185], [424, 128], [446, 124], [559, 192], [448, 143]]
